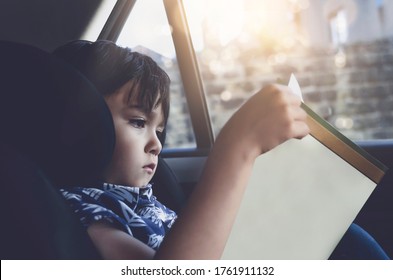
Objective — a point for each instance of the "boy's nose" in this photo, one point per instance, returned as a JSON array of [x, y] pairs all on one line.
[[154, 145]]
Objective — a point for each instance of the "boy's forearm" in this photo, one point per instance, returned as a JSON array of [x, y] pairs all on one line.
[[204, 225]]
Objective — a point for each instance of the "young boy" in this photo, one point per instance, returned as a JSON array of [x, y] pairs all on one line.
[[123, 218]]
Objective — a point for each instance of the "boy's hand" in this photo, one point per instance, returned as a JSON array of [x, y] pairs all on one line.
[[270, 117]]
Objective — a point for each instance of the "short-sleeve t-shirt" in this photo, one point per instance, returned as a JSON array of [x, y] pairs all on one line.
[[134, 210]]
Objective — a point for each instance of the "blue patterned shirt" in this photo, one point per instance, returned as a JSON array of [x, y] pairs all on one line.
[[134, 210]]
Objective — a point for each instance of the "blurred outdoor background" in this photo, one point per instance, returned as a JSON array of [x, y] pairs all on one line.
[[340, 51]]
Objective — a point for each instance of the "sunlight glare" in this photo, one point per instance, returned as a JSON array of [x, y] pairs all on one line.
[[225, 19], [270, 25], [333, 6], [158, 38]]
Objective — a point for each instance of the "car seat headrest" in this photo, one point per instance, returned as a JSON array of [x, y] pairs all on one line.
[[54, 115], [109, 66]]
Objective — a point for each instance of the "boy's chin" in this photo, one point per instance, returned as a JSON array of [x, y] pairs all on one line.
[[140, 184]]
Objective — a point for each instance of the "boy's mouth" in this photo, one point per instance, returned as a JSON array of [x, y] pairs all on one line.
[[150, 167]]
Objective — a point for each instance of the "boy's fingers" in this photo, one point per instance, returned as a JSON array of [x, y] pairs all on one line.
[[294, 99], [301, 129], [299, 114]]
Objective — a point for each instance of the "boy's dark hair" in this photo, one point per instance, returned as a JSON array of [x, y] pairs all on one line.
[[109, 66]]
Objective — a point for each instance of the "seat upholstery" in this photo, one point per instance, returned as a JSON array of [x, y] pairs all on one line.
[[36, 223], [53, 115]]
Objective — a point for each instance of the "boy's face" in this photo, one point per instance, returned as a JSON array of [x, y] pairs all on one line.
[[135, 156]]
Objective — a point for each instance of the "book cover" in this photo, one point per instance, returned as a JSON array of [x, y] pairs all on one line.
[[303, 195]]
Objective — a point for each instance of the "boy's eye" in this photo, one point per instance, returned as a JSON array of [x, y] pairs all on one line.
[[138, 123]]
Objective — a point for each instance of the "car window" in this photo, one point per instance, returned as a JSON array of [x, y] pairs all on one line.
[[147, 31], [340, 51]]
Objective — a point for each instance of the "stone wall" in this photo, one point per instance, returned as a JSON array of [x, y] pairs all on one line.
[[352, 88]]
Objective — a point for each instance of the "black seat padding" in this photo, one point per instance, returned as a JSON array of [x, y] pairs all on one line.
[[167, 188], [36, 223], [53, 115]]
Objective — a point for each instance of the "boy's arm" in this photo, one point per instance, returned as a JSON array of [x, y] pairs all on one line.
[[269, 118], [115, 244]]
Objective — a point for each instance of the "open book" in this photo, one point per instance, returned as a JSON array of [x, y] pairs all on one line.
[[303, 195]]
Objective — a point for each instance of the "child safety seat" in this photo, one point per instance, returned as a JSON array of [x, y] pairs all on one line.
[[56, 130]]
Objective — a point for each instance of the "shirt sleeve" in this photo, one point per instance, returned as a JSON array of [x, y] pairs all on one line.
[[89, 210]]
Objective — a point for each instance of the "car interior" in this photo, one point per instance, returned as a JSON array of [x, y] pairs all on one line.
[[53, 135]]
